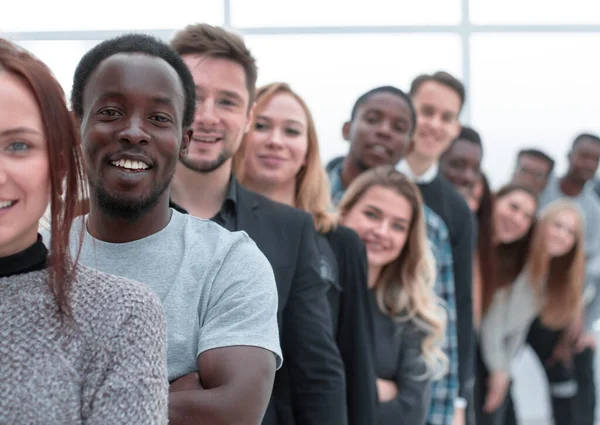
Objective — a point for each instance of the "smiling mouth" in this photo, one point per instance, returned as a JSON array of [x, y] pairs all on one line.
[[207, 139], [129, 165], [6, 204]]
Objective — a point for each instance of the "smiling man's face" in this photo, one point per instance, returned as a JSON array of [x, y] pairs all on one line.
[[380, 132], [132, 133]]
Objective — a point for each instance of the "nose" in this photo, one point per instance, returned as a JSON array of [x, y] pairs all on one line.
[[381, 229], [435, 121], [205, 114], [384, 129], [470, 177], [134, 132], [275, 139], [523, 220]]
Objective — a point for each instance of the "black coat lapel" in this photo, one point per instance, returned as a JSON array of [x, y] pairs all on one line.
[[248, 217]]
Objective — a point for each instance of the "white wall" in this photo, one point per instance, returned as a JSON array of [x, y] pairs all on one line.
[[526, 89]]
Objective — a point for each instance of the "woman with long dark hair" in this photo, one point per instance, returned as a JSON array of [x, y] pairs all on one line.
[[76, 346], [541, 268]]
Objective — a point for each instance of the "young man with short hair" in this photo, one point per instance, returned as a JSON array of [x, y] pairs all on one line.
[[438, 99], [134, 98], [310, 388]]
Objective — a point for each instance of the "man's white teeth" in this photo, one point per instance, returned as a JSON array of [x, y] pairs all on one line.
[[379, 149], [130, 165], [206, 139], [6, 204]]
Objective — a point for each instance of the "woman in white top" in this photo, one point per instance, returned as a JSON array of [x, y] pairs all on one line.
[[549, 286]]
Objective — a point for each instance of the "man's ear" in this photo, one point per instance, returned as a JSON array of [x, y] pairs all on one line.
[[185, 142], [346, 130], [250, 120]]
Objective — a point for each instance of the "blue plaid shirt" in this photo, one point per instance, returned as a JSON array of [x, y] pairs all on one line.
[[445, 390]]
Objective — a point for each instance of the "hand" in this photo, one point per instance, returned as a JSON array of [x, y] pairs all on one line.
[[459, 417], [191, 381], [387, 390], [496, 391], [575, 330], [585, 341], [563, 352]]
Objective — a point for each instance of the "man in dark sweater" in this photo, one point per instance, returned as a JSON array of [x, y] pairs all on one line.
[[438, 100]]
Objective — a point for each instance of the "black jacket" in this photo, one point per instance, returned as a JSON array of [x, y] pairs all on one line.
[[352, 319], [309, 388]]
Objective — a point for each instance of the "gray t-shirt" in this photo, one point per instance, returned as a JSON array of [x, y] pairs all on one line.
[[217, 288]]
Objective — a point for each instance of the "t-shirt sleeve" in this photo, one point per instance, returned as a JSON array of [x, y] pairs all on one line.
[[242, 306]]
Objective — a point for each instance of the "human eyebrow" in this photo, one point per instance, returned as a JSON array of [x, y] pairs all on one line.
[[19, 130]]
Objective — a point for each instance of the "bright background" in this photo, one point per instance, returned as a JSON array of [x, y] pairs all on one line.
[[530, 66]]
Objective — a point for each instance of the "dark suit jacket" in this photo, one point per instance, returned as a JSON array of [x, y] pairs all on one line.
[[353, 323], [310, 387], [444, 200]]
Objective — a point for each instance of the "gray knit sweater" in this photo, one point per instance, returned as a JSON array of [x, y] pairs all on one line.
[[106, 365]]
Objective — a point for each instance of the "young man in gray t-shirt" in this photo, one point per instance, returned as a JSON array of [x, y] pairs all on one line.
[[135, 100]]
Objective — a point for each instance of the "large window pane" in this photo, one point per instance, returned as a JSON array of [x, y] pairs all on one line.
[[76, 15], [62, 56], [532, 91], [330, 72], [535, 12], [314, 13]]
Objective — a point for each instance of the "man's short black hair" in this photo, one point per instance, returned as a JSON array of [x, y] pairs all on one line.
[[583, 136], [385, 89], [536, 153], [133, 43], [468, 134]]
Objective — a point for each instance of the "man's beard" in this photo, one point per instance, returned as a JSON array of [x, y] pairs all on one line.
[[206, 167], [124, 207]]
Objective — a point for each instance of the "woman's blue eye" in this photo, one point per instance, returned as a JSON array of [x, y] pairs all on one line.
[[18, 146]]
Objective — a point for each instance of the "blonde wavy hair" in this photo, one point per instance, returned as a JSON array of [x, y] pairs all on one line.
[[405, 288], [313, 193], [558, 281]]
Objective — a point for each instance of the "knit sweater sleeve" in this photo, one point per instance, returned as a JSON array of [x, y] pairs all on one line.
[[128, 381]]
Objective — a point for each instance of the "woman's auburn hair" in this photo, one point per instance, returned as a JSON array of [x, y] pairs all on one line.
[[64, 157]]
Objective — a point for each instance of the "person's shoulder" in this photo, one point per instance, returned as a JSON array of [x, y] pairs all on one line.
[[459, 205], [275, 212], [206, 231], [342, 236], [434, 223], [334, 163], [113, 296], [594, 200]]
